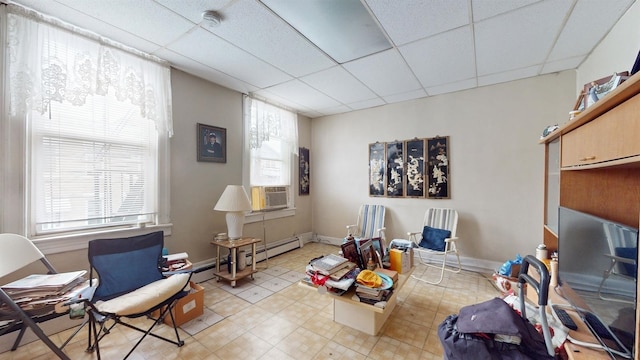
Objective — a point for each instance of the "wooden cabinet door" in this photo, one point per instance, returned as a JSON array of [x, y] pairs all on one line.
[[612, 136]]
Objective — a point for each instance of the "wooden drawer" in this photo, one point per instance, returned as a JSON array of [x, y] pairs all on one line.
[[612, 136]]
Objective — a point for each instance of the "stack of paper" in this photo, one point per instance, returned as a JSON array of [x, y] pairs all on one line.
[[38, 294], [329, 264]]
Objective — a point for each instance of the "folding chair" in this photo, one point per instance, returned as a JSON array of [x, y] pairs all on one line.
[[437, 241], [19, 252], [130, 285], [370, 223], [623, 259]]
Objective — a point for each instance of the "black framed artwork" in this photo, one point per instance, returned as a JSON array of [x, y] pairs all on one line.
[[414, 159], [212, 143], [376, 169], [438, 167], [395, 169], [303, 171]]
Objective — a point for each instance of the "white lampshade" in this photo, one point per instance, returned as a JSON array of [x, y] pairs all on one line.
[[235, 202]]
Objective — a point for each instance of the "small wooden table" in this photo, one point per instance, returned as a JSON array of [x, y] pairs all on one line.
[[233, 246]]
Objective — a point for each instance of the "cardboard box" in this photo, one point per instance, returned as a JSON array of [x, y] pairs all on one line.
[[401, 261], [189, 307]]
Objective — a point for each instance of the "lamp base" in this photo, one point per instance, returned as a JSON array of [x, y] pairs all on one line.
[[235, 222]]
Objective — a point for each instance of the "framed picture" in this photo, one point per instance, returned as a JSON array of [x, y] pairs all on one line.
[[579, 105], [378, 245], [438, 167], [597, 89], [414, 159], [368, 251], [395, 169], [376, 169], [212, 143], [350, 251], [303, 172]]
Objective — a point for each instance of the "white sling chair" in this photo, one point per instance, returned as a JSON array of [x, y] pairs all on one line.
[[370, 223], [437, 241]]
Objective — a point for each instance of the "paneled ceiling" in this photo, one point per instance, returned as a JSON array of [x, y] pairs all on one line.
[[435, 46]]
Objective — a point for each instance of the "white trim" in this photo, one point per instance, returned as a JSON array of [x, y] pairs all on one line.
[[71, 242]]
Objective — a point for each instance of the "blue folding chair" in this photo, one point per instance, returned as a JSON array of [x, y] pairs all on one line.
[[131, 284]]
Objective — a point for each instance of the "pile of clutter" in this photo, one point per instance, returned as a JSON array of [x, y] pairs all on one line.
[[506, 278]]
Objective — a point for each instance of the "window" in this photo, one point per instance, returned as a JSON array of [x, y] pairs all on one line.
[[272, 139], [94, 119], [91, 166]]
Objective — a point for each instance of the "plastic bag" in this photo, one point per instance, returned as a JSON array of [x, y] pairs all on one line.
[[505, 269]]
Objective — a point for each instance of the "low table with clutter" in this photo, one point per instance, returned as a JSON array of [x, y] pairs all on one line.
[[363, 281]]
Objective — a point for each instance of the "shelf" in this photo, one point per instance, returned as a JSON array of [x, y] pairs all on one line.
[[239, 274]]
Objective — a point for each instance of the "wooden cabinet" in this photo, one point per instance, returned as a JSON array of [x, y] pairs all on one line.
[[599, 164], [614, 137]]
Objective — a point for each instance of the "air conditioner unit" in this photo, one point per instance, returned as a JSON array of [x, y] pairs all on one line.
[[269, 197]]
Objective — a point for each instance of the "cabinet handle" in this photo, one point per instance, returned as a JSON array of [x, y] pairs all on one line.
[[588, 158]]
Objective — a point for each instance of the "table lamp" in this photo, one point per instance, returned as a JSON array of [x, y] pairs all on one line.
[[235, 202]]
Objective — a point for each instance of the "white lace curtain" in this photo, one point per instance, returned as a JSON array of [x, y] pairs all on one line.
[[52, 61], [266, 121]]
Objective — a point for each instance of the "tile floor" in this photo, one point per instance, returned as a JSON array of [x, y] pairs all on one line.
[[272, 317]]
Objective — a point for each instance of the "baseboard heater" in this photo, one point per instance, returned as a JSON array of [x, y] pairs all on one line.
[[276, 248]]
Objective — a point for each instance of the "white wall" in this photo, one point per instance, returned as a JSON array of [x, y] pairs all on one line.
[[617, 51], [496, 168]]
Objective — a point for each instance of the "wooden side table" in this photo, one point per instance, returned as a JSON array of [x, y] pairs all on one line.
[[233, 246]]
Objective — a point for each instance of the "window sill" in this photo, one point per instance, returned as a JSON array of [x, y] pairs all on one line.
[[70, 242], [257, 216]]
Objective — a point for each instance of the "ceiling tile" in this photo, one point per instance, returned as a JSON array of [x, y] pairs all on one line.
[[158, 24], [280, 101], [581, 34], [193, 9], [385, 73], [366, 104], [452, 87], [340, 84], [206, 48], [417, 19], [443, 58], [304, 94], [508, 76], [561, 65], [95, 25], [416, 94], [335, 110], [520, 38], [483, 9], [205, 72], [255, 29]]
